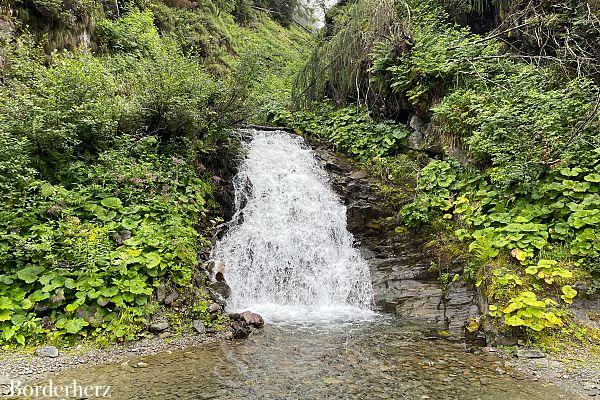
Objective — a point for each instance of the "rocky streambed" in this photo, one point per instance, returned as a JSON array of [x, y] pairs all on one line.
[[383, 359]]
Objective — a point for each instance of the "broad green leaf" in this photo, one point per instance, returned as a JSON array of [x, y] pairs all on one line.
[[153, 260], [30, 274], [111, 202]]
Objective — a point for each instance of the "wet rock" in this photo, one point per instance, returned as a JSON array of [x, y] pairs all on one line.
[[214, 308], [161, 292], [124, 235], [159, 327], [331, 166], [199, 326], [47, 322], [359, 214], [240, 329], [505, 341], [358, 175], [219, 270], [171, 297], [530, 353], [252, 319], [210, 266], [222, 288], [47, 351]]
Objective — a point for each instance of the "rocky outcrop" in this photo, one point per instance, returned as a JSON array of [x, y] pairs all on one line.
[[400, 263]]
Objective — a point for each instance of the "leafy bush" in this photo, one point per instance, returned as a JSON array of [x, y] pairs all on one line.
[[548, 231], [171, 95], [133, 33], [350, 129], [63, 111], [523, 124], [102, 160], [14, 162], [78, 260]]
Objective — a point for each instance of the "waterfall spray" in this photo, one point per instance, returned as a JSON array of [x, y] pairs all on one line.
[[288, 254]]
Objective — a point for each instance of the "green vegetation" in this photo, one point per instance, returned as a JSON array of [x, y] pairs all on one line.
[[110, 156], [115, 125], [514, 134]]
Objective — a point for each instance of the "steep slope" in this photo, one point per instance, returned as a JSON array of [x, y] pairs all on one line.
[[115, 151]]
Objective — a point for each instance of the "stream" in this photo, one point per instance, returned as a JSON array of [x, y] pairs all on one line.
[[377, 360], [289, 257]]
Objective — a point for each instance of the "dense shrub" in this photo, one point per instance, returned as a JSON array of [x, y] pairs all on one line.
[[350, 129], [526, 205], [105, 164], [79, 258], [64, 111], [524, 124], [134, 33]]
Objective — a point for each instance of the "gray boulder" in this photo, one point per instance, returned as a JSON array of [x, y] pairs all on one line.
[[47, 351]]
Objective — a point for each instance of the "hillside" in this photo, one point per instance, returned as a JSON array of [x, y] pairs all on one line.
[[116, 147], [482, 119]]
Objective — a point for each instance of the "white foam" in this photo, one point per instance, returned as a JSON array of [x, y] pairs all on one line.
[[288, 255]]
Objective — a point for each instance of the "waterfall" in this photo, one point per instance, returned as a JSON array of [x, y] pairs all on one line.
[[288, 255]]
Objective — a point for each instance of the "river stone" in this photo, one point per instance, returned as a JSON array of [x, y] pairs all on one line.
[[241, 329], [5, 380], [252, 319], [358, 175], [47, 351], [164, 335], [199, 326], [219, 271], [171, 297], [214, 308], [159, 327], [161, 292], [530, 353]]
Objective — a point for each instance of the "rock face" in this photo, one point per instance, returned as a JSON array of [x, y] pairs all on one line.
[[530, 353], [587, 310], [47, 351], [400, 263]]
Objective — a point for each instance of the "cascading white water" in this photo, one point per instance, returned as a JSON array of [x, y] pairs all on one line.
[[288, 255]]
